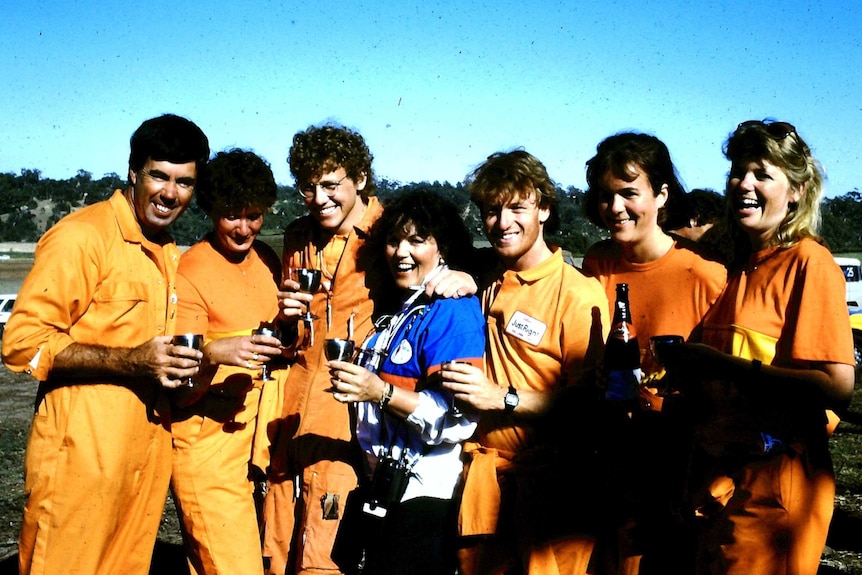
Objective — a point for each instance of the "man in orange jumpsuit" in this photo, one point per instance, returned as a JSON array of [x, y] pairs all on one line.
[[312, 454], [315, 462], [547, 325], [92, 325]]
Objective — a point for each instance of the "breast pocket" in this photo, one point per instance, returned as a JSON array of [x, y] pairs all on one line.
[[127, 308]]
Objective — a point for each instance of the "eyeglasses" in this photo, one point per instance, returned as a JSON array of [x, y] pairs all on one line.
[[309, 190], [778, 130], [187, 184]]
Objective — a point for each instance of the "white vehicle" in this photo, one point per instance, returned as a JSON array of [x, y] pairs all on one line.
[[6, 303], [853, 275]]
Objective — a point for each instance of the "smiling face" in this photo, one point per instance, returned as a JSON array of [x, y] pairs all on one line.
[[630, 210], [339, 212], [760, 196], [159, 193], [515, 230], [235, 233], [411, 257]]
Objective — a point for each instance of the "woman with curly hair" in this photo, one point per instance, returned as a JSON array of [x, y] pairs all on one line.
[[313, 466], [408, 426], [227, 286]]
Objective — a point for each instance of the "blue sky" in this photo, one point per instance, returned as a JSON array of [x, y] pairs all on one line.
[[434, 87]]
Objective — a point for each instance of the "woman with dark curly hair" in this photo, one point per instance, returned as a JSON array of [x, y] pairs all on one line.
[[776, 353], [408, 426], [227, 286]]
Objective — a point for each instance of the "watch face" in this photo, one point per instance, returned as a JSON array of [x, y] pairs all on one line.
[[511, 400]]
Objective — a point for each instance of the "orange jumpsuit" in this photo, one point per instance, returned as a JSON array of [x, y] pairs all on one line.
[[213, 437], [667, 296], [786, 308], [97, 465], [546, 329], [314, 459]]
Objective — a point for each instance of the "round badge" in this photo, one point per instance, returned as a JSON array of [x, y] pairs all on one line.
[[402, 353]]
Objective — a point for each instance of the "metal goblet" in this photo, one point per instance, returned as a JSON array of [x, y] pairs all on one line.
[[192, 340], [337, 349], [657, 344], [309, 282], [264, 371]]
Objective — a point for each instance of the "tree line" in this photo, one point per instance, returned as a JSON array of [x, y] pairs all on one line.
[[30, 204]]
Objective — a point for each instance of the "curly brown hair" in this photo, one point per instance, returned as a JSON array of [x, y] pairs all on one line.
[[322, 149], [431, 215], [233, 181]]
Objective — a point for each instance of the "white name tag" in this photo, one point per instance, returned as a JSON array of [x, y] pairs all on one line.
[[526, 328]]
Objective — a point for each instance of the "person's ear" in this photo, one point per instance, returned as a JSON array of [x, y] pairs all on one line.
[[661, 196], [796, 194], [361, 182], [133, 176]]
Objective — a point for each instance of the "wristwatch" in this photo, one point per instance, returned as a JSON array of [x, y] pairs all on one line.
[[511, 400]]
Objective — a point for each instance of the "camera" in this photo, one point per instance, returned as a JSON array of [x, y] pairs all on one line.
[[388, 485]]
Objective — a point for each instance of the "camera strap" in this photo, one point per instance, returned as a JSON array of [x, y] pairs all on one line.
[[405, 457]]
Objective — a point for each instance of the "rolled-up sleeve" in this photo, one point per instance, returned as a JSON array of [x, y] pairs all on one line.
[[437, 421], [54, 295]]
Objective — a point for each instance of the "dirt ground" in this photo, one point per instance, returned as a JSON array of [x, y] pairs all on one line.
[[843, 554]]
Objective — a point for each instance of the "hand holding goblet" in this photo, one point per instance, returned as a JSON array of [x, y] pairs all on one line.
[[657, 344]]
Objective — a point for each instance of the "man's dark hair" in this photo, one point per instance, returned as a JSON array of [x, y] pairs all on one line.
[[705, 206], [168, 138]]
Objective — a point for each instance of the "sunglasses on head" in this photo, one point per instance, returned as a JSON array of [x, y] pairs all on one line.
[[778, 130]]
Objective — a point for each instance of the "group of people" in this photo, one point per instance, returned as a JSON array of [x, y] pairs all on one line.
[[468, 431]]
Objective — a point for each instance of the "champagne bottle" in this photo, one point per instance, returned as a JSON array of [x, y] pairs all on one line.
[[622, 353]]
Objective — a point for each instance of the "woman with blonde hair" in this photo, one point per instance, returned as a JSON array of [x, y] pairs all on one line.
[[778, 351]]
